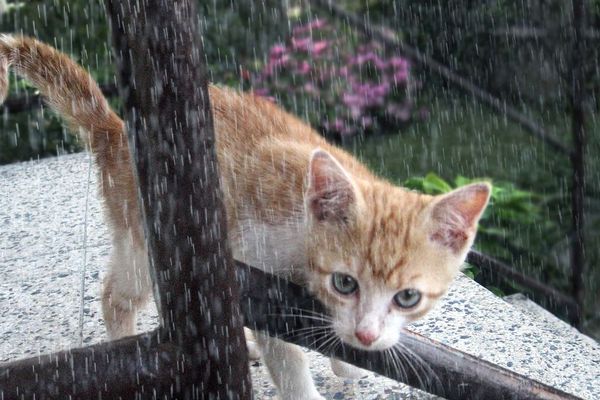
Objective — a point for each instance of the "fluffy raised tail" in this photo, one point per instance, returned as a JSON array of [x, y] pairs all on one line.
[[75, 96], [66, 86]]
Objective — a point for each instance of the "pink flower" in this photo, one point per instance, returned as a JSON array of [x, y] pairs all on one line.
[[400, 76], [277, 50], [366, 122], [399, 63], [303, 68], [352, 100], [337, 125], [310, 88], [301, 44], [363, 58], [275, 64], [370, 94], [319, 47]]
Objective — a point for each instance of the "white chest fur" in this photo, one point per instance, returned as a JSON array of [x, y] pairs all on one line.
[[275, 248]]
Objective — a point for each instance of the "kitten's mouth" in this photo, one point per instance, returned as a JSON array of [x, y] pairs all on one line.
[[352, 341]]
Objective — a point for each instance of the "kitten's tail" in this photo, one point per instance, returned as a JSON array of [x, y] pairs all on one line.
[[66, 87], [74, 94]]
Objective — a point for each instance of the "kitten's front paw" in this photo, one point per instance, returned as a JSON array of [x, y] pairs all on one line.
[[254, 352], [345, 370]]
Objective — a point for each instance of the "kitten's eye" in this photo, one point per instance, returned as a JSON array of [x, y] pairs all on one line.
[[407, 298], [345, 284]]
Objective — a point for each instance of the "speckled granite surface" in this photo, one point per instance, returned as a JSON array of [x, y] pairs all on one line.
[[42, 219]]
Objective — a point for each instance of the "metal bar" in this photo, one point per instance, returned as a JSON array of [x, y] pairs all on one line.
[[131, 368], [532, 32], [143, 367], [164, 86], [495, 268], [578, 158], [389, 38]]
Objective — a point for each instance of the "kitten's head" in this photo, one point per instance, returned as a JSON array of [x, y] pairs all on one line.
[[381, 256]]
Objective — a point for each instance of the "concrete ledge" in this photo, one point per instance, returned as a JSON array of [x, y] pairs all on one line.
[[42, 219]]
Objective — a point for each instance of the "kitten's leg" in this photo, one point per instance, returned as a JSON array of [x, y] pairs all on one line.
[[126, 289], [289, 369], [345, 370], [252, 345]]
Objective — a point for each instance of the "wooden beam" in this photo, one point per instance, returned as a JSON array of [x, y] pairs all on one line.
[[164, 87]]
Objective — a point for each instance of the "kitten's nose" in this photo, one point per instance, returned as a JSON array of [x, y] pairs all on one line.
[[366, 337]]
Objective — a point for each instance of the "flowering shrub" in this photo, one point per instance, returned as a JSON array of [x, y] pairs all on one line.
[[343, 88]]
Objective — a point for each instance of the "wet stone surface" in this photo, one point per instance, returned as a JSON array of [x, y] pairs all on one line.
[[42, 220]]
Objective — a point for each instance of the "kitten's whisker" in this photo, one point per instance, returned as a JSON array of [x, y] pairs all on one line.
[[311, 333], [333, 346], [391, 363], [424, 379], [306, 311], [310, 312], [387, 358], [401, 355], [315, 339], [430, 375], [312, 317], [326, 338], [427, 370], [310, 328], [399, 365], [322, 347]]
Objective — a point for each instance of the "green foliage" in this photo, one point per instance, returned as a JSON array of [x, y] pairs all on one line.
[[507, 203], [471, 271]]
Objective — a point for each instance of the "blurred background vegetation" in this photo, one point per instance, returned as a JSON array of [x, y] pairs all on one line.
[[407, 124]]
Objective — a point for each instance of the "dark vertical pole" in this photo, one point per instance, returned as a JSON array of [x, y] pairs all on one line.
[[578, 62], [165, 90]]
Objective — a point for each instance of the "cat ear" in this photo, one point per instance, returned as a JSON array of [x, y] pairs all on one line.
[[330, 194], [455, 215]]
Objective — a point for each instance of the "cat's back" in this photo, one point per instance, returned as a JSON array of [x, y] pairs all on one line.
[[245, 120], [247, 125]]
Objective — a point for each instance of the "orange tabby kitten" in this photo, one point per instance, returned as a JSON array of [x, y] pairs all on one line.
[[378, 256]]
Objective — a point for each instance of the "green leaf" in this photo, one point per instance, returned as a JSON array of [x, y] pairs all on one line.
[[471, 271], [462, 181], [497, 291], [433, 184], [414, 183]]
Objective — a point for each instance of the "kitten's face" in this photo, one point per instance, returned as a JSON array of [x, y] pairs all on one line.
[[381, 256]]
